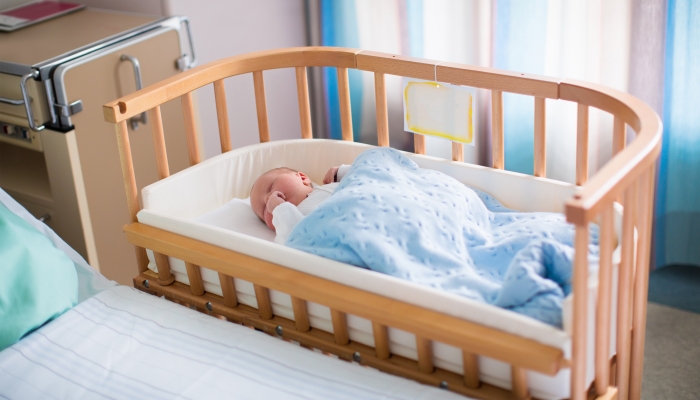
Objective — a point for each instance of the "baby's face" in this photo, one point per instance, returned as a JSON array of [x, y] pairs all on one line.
[[294, 187]]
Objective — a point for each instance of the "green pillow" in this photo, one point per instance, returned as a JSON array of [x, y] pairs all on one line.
[[38, 282]]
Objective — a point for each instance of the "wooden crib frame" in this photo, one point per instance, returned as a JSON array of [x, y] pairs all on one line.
[[628, 177]]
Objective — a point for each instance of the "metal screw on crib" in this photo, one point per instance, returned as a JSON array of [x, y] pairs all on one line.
[[443, 385], [278, 330], [208, 306], [357, 357], [145, 283]]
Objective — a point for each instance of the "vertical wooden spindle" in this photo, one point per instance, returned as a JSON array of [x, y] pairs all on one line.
[[497, 148], [262, 295], [582, 144], [382, 116], [540, 138], [457, 152], [159, 142], [190, 128], [579, 388], [381, 340], [132, 201], [641, 281], [165, 278], [304, 107], [340, 327], [619, 135], [301, 314], [425, 354], [519, 379], [418, 143], [195, 277], [344, 97], [228, 289], [222, 115], [624, 294], [470, 364], [261, 106], [602, 342]]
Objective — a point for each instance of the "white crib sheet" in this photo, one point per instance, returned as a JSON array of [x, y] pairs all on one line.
[[125, 344], [198, 203]]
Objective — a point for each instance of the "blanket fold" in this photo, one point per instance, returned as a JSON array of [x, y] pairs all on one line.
[[390, 216]]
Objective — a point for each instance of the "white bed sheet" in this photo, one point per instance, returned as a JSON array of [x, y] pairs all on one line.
[[200, 203], [125, 344]]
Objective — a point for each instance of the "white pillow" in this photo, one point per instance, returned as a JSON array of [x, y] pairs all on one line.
[[237, 215]]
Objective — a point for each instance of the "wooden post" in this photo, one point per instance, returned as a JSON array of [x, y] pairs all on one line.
[[624, 294], [304, 107], [497, 149], [470, 364], [228, 289], [602, 342], [382, 116], [195, 277], [222, 115], [540, 138], [159, 142], [425, 355], [381, 340], [641, 282], [261, 106], [165, 278], [582, 144], [190, 128], [457, 152], [418, 143], [344, 97], [519, 380], [340, 327], [262, 295], [301, 314], [619, 135], [578, 368], [130, 187]]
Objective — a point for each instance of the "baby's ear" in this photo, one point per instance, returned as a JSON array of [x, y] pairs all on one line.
[[305, 179]]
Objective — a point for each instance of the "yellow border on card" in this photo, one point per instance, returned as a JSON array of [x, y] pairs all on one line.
[[470, 120]]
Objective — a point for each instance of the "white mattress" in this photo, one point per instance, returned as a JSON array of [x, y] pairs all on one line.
[[125, 344], [199, 203]]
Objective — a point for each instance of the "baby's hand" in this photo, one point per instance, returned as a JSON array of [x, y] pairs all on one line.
[[330, 175], [276, 198]]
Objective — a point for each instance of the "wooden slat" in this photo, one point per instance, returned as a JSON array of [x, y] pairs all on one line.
[[193, 150], [425, 354], [418, 143], [624, 294], [470, 363], [619, 135], [304, 106], [497, 149], [582, 144], [130, 187], [602, 341], [261, 106], [519, 381], [457, 151], [344, 97], [460, 333], [578, 367], [195, 277], [159, 142], [165, 278], [301, 314], [262, 295], [222, 115], [382, 116], [340, 326], [641, 282], [228, 289], [381, 340], [540, 138]]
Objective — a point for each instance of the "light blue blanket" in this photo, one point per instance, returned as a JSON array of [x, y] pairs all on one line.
[[390, 216]]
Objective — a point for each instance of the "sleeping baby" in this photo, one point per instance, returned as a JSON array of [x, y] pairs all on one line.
[[391, 216], [282, 197]]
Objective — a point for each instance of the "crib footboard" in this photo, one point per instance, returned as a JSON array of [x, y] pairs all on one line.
[[627, 178]]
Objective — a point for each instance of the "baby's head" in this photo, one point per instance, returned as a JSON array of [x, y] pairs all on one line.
[[292, 186]]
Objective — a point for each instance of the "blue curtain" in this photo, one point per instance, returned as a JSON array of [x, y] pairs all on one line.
[[678, 193]]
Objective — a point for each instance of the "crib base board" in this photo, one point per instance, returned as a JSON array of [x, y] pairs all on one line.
[[315, 338]]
